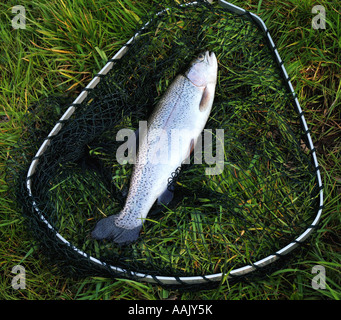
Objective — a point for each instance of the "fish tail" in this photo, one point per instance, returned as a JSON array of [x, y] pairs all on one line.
[[108, 229]]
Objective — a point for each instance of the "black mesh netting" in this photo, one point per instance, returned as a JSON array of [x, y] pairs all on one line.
[[264, 198]]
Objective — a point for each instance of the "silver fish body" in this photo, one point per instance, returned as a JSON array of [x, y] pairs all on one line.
[[172, 131]]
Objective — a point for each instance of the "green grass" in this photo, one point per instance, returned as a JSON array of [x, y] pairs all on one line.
[[61, 50]]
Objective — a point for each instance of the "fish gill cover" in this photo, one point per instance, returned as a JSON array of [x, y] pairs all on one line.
[[264, 198]]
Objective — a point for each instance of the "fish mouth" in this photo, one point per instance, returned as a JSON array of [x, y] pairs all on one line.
[[210, 58], [202, 69]]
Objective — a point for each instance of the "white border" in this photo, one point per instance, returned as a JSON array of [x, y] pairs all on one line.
[[166, 279]]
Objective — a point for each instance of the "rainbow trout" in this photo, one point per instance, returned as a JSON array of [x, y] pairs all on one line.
[[181, 114]]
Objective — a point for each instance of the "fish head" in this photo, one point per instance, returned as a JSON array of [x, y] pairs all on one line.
[[203, 69]]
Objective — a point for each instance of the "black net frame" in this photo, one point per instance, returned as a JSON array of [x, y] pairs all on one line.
[[78, 146]]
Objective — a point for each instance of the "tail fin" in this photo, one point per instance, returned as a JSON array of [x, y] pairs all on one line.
[[107, 229]]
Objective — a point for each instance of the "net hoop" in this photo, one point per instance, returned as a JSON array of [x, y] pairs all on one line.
[[167, 280]]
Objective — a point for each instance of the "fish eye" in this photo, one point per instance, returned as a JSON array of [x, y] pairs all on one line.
[[201, 56]]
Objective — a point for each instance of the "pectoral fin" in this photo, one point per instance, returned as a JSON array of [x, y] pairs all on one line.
[[207, 98]]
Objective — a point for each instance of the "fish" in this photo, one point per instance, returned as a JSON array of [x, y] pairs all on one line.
[[184, 109]]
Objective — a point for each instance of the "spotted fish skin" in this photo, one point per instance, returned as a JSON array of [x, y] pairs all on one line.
[[183, 110]]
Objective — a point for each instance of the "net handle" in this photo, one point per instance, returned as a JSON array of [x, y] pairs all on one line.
[[193, 279]]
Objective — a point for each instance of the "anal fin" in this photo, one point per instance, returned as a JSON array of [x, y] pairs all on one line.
[[166, 196]]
